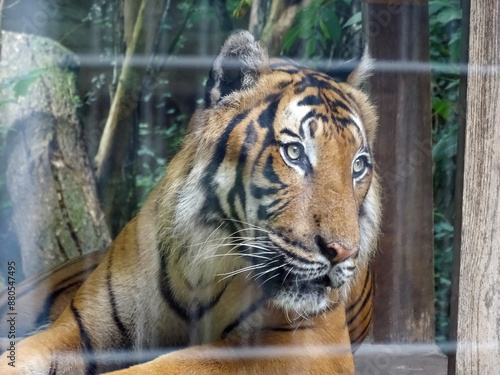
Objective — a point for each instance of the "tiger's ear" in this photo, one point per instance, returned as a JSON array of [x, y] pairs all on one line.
[[237, 66], [364, 69]]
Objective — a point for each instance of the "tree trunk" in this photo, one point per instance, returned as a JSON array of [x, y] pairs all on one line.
[[55, 211], [478, 334], [258, 16], [280, 20]]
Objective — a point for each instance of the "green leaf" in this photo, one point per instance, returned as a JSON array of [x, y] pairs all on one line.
[[242, 8], [449, 14], [452, 84], [445, 149], [306, 29], [441, 107], [332, 23], [436, 6], [323, 28], [322, 41], [354, 20], [310, 47], [290, 38]]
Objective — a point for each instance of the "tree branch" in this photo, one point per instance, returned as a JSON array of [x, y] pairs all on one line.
[[127, 92]]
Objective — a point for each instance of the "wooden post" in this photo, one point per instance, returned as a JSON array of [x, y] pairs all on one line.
[[404, 274], [459, 188], [478, 334]]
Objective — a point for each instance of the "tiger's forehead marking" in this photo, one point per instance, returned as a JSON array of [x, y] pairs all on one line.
[[327, 104]]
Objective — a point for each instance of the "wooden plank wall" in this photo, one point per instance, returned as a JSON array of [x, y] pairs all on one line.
[[398, 34]]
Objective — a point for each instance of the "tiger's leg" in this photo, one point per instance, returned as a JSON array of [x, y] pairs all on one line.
[[320, 346], [58, 347], [68, 345]]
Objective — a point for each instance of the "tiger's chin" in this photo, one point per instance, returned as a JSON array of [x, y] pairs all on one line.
[[307, 299]]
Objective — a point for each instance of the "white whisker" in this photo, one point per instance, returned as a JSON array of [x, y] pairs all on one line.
[[265, 281]]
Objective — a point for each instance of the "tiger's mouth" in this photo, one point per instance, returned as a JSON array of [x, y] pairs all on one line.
[[307, 297], [301, 285]]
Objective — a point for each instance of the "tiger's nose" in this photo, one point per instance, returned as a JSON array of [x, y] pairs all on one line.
[[334, 251]]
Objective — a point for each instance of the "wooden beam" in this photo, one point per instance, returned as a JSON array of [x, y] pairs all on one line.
[[478, 334], [404, 276]]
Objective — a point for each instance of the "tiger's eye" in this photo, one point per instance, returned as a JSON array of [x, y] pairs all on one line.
[[294, 151], [359, 165]]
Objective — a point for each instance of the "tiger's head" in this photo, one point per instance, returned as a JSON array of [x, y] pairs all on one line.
[[276, 178]]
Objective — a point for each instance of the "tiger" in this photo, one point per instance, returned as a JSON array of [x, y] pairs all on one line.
[[252, 255]]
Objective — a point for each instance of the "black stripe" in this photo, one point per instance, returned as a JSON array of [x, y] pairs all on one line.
[[362, 209], [281, 85], [289, 132], [335, 104], [266, 118], [238, 188], [3, 307], [274, 203], [53, 367], [360, 324], [195, 311], [258, 192], [301, 132], [285, 253], [341, 122], [353, 305], [357, 340], [220, 150], [311, 100], [365, 301], [279, 210], [245, 314], [91, 367], [270, 174], [307, 116], [112, 301], [314, 81], [198, 311], [293, 243], [212, 203], [87, 270], [287, 70], [263, 214], [44, 315], [166, 291]]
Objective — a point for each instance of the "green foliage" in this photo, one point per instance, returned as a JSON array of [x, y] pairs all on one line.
[[152, 157], [445, 32], [319, 30], [241, 8]]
